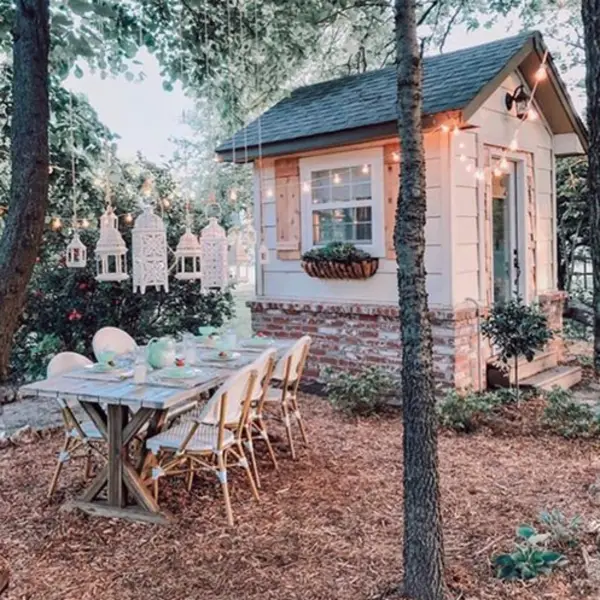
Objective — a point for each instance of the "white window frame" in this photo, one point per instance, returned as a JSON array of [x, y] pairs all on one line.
[[371, 156]]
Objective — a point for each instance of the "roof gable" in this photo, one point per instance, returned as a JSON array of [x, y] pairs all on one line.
[[348, 106]]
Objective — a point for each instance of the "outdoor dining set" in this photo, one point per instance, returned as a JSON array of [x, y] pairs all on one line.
[[143, 414]]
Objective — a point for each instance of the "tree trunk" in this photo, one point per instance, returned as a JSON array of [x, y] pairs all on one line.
[[423, 545], [590, 11], [29, 166]]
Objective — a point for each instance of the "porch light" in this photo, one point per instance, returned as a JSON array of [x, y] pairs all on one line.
[[520, 99]]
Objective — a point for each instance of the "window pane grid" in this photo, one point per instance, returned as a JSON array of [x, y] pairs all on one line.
[[341, 205]]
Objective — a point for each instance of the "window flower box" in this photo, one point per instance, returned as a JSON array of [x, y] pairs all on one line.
[[339, 260]]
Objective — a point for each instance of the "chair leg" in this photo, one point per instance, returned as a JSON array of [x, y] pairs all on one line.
[[190, 475], [155, 489], [252, 455], [59, 466], [288, 428], [262, 430], [222, 475], [244, 462], [300, 421]]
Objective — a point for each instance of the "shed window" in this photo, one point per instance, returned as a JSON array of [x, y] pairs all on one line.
[[342, 198]]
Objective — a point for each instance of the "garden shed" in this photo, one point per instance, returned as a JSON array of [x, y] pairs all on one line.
[[326, 167]]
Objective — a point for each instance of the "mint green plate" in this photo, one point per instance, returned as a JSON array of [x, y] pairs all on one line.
[[178, 372], [101, 368]]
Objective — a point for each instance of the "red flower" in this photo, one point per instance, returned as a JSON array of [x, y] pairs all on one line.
[[74, 315]]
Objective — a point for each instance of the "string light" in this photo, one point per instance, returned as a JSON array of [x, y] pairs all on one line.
[[497, 172], [306, 187], [532, 114], [56, 223], [456, 130], [396, 156], [50, 170], [128, 218], [269, 192], [461, 145], [479, 175], [85, 223], [514, 145], [98, 182], [233, 195], [504, 164], [365, 169], [166, 203], [445, 128], [337, 179], [541, 74], [469, 168], [462, 158]]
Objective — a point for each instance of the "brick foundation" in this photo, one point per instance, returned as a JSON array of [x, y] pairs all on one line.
[[347, 336]]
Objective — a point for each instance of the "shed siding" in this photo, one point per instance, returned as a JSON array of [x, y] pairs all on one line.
[[285, 279], [494, 130]]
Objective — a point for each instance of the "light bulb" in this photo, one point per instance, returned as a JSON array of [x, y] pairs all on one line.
[[541, 74], [50, 169], [85, 223], [462, 158], [233, 195], [461, 145], [445, 128], [469, 168], [128, 218], [396, 156], [269, 192], [497, 172], [306, 187], [217, 158], [532, 114], [56, 223], [456, 130], [98, 181], [479, 175], [514, 145], [166, 203], [504, 164], [337, 179], [365, 169]]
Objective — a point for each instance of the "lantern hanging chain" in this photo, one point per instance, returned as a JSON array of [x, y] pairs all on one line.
[[208, 107], [73, 176], [244, 63], [259, 126], [231, 79]]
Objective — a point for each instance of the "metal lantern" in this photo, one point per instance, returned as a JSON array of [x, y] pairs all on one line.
[[187, 257], [213, 256], [110, 250], [149, 240], [76, 253], [239, 257]]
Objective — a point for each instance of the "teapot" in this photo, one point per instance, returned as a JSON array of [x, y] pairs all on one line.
[[161, 352]]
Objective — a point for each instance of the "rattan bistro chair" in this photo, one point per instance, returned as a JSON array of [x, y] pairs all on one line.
[[287, 375], [114, 340], [82, 438], [211, 441], [256, 429]]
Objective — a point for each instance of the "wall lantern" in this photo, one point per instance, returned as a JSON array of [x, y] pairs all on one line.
[[520, 99]]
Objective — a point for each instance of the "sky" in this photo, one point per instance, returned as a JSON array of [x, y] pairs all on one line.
[[147, 117]]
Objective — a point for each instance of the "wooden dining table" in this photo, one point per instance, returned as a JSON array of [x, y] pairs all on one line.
[[120, 409]]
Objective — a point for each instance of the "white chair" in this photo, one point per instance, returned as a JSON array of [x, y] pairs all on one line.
[[79, 434], [114, 340], [287, 374], [256, 428], [213, 441]]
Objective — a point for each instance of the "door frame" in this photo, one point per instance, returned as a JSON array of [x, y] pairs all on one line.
[[520, 190]]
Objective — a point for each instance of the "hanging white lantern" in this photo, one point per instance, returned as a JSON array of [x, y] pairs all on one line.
[[76, 253], [263, 254], [187, 257], [213, 256], [110, 250], [239, 257], [149, 240]]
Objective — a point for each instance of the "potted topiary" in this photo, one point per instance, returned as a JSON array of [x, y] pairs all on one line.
[[339, 260]]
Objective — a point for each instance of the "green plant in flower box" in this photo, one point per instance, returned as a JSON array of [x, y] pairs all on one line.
[[341, 252]]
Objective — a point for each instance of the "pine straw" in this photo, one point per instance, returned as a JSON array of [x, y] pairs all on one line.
[[328, 527]]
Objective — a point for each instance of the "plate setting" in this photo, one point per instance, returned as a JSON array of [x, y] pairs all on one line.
[[179, 372]]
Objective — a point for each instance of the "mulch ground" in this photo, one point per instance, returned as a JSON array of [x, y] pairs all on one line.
[[329, 526]]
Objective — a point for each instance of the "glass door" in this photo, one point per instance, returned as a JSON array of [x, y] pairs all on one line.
[[505, 235]]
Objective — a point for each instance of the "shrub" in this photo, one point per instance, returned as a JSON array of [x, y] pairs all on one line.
[[569, 418], [362, 393], [462, 412], [517, 330], [342, 252], [531, 557], [563, 531]]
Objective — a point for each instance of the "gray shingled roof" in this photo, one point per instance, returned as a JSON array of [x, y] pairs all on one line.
[[450, 82]]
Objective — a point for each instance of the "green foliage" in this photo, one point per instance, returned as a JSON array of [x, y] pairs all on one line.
[[530, 559], [563, 531], [363, 393], [340, 252], [568, 418], [516, 329]]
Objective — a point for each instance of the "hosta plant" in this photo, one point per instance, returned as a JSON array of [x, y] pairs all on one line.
[[530, 558]]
